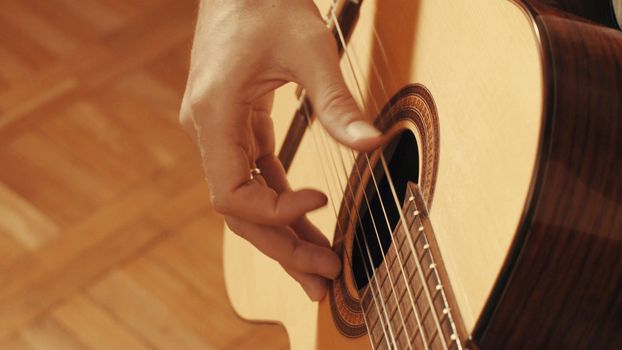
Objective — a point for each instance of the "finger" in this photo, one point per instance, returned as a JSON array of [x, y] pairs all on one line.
[[275, 177], [314, 285], [309, 232], [317, 69], [282, 245], [224, 137]]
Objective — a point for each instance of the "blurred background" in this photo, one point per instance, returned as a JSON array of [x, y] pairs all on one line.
[[107, 238]]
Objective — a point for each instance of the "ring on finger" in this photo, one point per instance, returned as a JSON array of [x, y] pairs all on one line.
[[254, 172]]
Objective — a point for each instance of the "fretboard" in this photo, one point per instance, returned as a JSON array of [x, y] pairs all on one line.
[[408, 301]]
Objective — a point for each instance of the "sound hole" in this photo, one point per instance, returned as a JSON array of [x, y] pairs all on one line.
[[402, 156]]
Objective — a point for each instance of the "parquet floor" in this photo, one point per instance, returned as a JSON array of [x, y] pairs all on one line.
[[107, 239]]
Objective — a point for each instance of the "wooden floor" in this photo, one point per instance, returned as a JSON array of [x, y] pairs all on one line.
[[107, 239]]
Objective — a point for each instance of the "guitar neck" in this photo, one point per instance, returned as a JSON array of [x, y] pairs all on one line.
[[409, 299]]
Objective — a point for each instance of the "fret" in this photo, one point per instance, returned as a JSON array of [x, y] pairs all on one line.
[[371, 313], [402, 341], [429, 326], [400, 287], [411, 323], [373, 319], [392, 307], [420, 244], [439, 305], [380, 343], [385, 283], [405, 252], [448, 329], [396, 271], [378, 333], [382, 334], [410, 267], [435, 343], [367, 298], [426, 259]]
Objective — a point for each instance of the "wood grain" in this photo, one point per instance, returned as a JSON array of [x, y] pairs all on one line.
[[107, 238], [563, 283], [464, 53]]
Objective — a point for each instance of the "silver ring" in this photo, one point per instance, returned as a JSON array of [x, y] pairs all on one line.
[[255, 172]]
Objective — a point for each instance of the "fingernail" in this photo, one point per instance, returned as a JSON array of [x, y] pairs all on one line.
[[360, 129]]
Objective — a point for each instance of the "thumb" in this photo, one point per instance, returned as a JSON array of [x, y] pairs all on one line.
[[333, 103]]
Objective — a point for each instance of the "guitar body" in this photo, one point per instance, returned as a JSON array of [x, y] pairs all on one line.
[[515, 113]]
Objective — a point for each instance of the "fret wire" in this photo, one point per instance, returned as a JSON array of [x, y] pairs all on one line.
[[401, 244], [442, 291], [433, 337], [388, 174], [303, 97], [433, 309]]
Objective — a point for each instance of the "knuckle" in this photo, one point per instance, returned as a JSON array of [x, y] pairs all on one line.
[[317, 32], [221, 203], [185, 118], [200, 96]]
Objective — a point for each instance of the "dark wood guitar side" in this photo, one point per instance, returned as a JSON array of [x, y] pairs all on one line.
[[561, 287], [600, 11]]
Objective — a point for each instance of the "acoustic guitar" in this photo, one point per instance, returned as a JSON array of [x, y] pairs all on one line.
[[492, 217]]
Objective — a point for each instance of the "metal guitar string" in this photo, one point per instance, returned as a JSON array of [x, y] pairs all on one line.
[[307, 114], [400, 263], [447, 310], [348, 257], [361, 226], [411, 295], [377, 235], [402, 218], [390, 181]]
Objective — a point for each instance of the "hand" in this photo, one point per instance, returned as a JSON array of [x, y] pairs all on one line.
[[243, 50]]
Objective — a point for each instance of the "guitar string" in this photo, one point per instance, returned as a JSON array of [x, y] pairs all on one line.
[[348, 185], [358, 242], [419, 268], [446, 310], [392, 285], [431, 309], [389, 178], [401, 264], [387, 172], [369, 165], [348, 257]]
